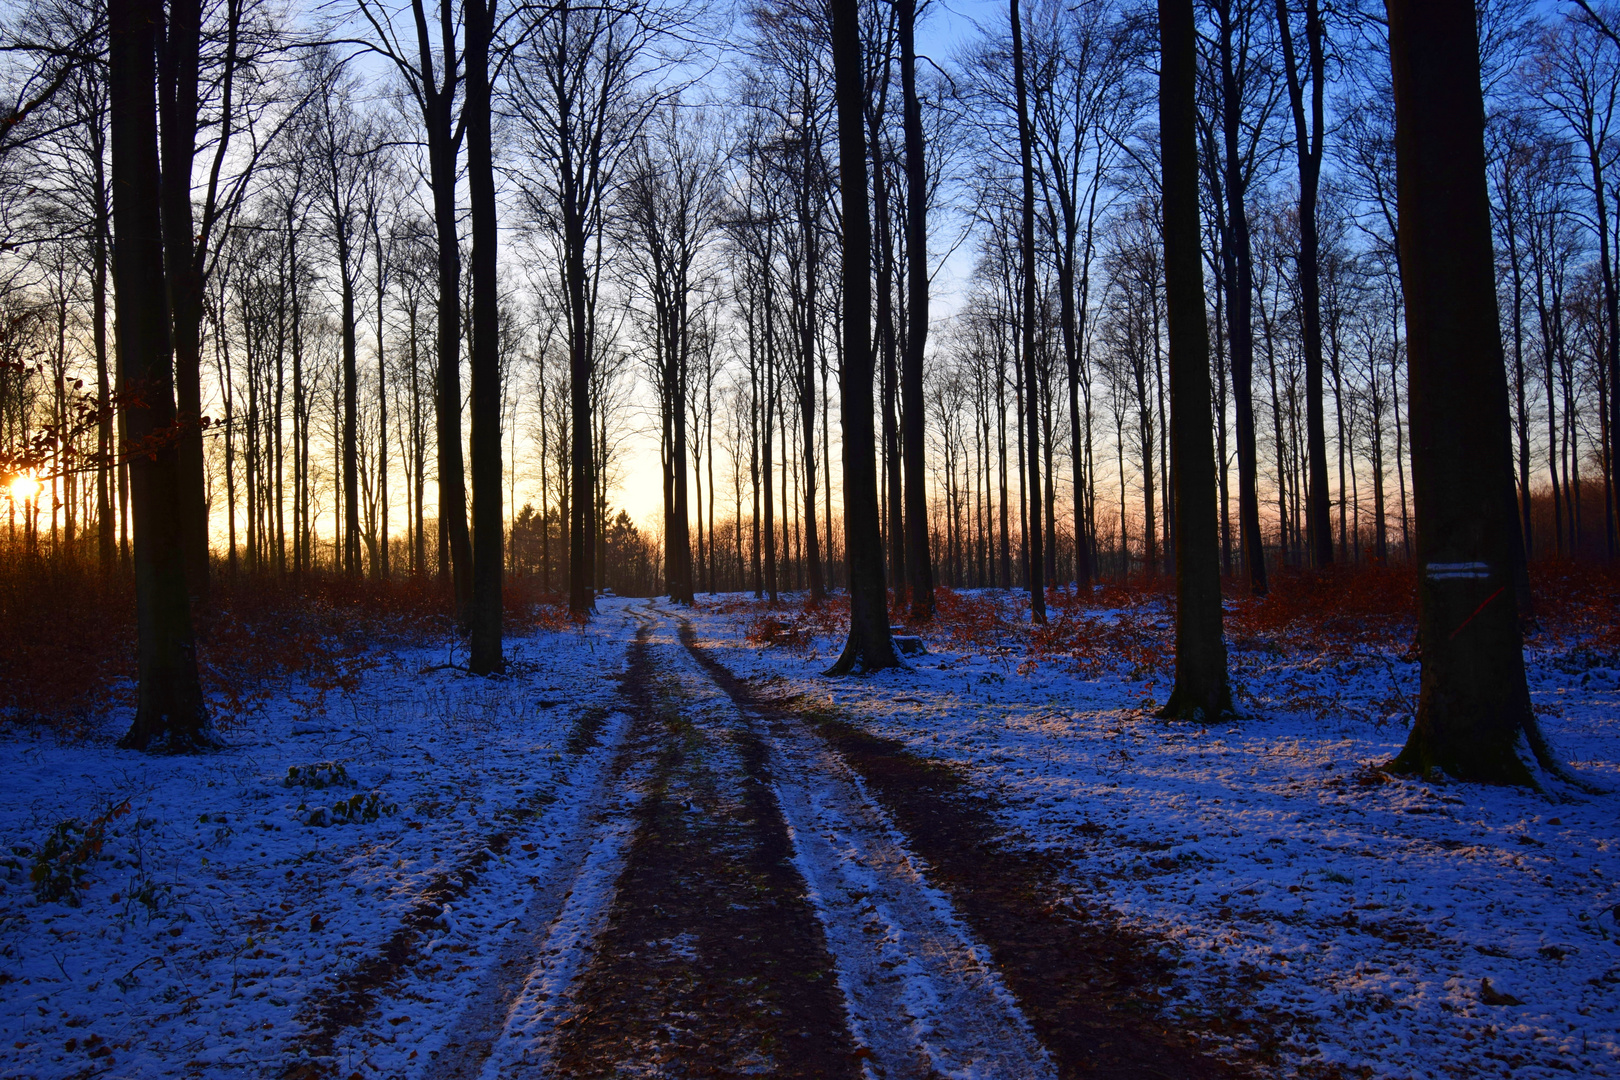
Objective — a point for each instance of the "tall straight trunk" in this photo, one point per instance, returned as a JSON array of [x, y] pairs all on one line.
[[484, 615], [438, 100], [811, 560], [1338, 410], [919, 561], [679, 539], [177, 103], [170, 713], [351, 402], [869, 646], [301, 553], [1201, 690], [769, 418], [1001, 470], [1032, 518], [1547, 349], [419, 453], [753, 444], [1239, 297], [1611, 306], [1078, 427], [380, 569], [276, 434], [1308, 152], [885, 265], [1474, 702], [107, 545]]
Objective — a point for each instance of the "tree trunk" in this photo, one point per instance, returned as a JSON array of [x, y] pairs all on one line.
[[104, 422], [869, 646], [170, 713], [455, 546], [484, 614], [1031, 397], [919, 561], [1308, 151], [1201, 691], [1239, 297], [177, 102], [1474, 702]]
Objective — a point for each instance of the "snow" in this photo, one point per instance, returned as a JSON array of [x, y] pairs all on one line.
[[1294, 881], [1298, 887], [922, 995], [211, 913]]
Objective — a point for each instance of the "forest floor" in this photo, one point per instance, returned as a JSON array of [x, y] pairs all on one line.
[[664, 845]]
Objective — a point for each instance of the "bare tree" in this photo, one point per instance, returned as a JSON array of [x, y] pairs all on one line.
[[1201, 690], [869, 646], [170, 714]]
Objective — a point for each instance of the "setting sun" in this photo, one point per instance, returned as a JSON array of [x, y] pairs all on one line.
[[24, 487]]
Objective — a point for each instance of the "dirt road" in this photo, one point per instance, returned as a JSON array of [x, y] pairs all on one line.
[[737, 889]]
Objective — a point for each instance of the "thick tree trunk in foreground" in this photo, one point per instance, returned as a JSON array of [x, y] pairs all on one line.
[[1474, 702], [484, 613], [170, 712], [919, 561], [869, 646], [1201, 691], [1035, 568]]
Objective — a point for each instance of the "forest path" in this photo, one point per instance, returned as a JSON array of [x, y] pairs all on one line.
[[745, 909]]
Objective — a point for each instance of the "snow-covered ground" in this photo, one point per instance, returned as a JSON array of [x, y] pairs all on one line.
[[211, 901], [197, 913], [1293, 880]]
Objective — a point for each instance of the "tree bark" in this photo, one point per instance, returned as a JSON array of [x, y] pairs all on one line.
[[919, 561], [170, 713], [1308, 151], [484, 614], [1201, 691], [455, 546], [177, 102], [869, 646], [1034, 568], [1239, 298], [1474, 702]]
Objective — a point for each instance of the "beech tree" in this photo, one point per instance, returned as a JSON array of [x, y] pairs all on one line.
[[919, 560], [1026, 153], [170, 713], [869, 646], [671, 206], [488, 527], [1201, 690], [1308, 75], [1474, 700]]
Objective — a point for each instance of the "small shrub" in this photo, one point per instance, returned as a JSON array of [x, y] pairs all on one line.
[[361, 808], [63, 860], [318, 775]]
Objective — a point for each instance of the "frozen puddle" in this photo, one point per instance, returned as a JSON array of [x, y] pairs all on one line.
[[923, 996]]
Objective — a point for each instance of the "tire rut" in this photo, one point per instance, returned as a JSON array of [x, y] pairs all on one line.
[[711, 961], [1092, 993]]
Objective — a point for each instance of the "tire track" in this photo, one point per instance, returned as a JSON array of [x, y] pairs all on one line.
[[924, 995], [1091, 992], [711, 961]]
